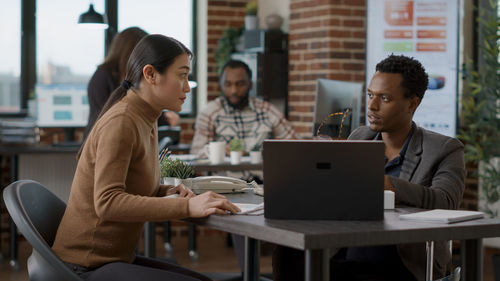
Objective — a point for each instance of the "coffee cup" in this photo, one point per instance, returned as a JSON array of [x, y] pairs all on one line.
[[216, 150]]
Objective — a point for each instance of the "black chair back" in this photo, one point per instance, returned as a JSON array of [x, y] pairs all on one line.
[[37, 213]]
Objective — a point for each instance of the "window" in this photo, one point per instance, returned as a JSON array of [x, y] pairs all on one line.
[[10, 56], [172, 18], [66, 53]]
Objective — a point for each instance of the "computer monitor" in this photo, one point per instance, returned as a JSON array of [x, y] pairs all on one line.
[[337, 96], [62, 105]]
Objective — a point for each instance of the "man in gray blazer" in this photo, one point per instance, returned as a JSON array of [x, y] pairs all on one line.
[[423, 168]]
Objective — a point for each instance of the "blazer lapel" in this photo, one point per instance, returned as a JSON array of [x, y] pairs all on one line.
[[413, 154]]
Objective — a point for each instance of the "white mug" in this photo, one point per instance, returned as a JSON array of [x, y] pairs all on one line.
[[216, 150]]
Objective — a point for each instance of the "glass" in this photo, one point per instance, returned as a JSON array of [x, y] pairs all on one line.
[[10, 56], [171, 18], [344, 115], [66, 52]]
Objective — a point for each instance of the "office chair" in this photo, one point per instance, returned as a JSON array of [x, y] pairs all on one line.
[[37, 213], [455, 276]]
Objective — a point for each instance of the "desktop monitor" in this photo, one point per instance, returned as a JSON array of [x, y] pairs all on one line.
[[337, 96], [62, 105]]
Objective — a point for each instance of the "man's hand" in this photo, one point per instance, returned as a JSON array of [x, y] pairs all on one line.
[[210, 203], [172, 118], [388, 184]]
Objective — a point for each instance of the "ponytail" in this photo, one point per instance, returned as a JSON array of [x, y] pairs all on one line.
[[115, 97]]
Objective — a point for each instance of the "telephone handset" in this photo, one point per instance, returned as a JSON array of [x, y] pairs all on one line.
[[217, 184]]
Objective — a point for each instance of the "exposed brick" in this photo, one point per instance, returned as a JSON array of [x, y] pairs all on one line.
[[353, 23], [340, 76], [355, 2], [354, 66], [354, 45], [318, 45], [338, 11], [340, 55], [339, 33]]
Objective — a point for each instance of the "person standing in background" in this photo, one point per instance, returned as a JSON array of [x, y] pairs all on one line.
[[108, 75]]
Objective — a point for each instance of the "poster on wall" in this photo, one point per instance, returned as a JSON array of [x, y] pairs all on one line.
[[428, 31]]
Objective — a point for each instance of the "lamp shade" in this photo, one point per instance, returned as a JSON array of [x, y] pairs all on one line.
[[92, 18]]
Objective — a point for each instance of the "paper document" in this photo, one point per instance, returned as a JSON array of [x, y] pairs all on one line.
[[250, 209], [443, 216]]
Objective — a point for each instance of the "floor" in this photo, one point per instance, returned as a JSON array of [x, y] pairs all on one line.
[[215, 256]]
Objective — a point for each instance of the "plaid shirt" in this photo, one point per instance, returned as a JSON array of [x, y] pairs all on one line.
[[258, 121]]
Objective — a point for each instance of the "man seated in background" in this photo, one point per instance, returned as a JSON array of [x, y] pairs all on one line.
[[237, 115], [424, 169]]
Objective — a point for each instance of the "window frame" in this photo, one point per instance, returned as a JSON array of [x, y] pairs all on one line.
[[28, 51]]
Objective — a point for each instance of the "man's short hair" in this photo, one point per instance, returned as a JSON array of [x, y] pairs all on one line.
[[237, 64], [415, 79]]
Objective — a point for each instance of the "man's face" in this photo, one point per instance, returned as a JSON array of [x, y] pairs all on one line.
[[236, 84], [388, 109]]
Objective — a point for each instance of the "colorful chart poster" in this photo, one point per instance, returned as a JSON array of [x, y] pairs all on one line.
[[428, 31]]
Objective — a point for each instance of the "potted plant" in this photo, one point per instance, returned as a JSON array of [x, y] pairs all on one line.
[[256, 154], [481, 115], [226, 46], [251, 19], [236, 149], [175, 172]]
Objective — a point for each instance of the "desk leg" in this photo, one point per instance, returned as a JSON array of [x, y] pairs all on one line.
[[167, 238], [193, 254], [252, 265], [429, 246], [317, 265], [471, 252], [149, 240]]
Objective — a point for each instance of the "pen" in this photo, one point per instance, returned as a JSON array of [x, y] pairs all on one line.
[[164, 153]]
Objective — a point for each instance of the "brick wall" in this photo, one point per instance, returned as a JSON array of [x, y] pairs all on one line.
[[327, 40]]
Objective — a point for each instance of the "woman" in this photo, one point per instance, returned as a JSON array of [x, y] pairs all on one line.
[[111, 72], [116, 185]]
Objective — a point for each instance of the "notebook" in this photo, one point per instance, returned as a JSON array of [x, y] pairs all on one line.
[[443, 216]]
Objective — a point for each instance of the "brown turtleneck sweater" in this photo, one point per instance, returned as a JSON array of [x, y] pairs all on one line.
[[116, 188]]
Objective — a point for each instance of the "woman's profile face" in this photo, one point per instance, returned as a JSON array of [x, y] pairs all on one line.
[[172, 85]]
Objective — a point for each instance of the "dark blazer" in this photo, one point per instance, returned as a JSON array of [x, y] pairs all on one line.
[[432, 177]]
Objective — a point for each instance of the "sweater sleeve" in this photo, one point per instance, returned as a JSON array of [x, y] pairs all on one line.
[[203, 133], [447, 182], [114, 153]]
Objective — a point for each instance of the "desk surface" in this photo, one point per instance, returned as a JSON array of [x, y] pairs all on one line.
[[334, 234], [206, 166]]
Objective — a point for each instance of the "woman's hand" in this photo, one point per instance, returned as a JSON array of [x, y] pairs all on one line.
[[210, 203], [182, 190]]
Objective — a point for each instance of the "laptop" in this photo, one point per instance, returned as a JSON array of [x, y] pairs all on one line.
[[323, 180]]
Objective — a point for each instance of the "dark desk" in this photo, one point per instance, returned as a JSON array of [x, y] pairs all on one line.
[[316, 237], [53, 166]]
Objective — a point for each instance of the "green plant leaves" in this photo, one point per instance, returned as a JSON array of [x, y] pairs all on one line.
[[175, 169]]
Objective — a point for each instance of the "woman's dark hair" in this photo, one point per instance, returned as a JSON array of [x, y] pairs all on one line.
[[415, 79], [119, 51], [157, 50]]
